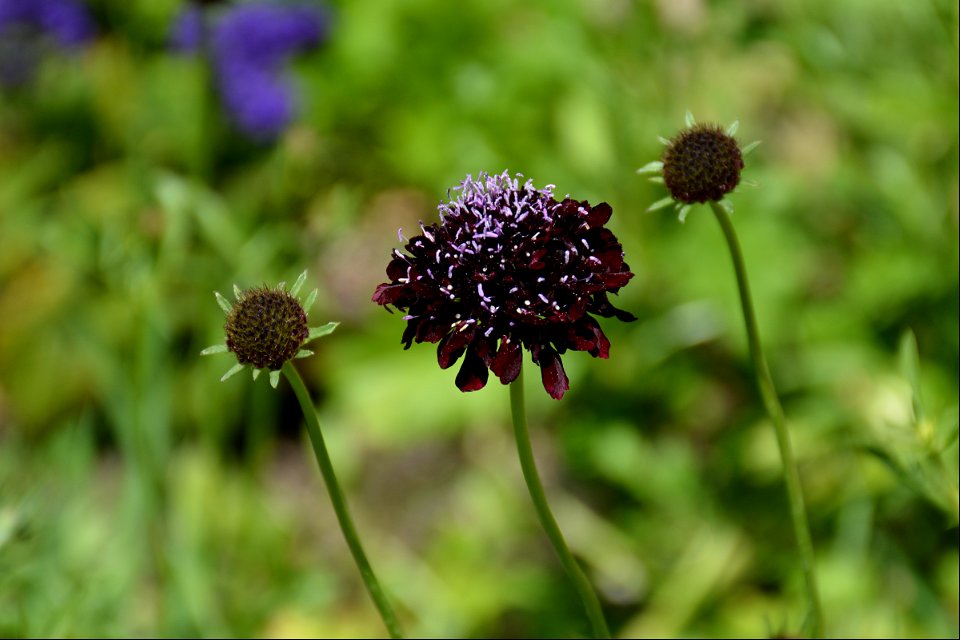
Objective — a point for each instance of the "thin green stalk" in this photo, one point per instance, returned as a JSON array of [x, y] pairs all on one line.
[[547, 521], [798, 512], [340, 502]]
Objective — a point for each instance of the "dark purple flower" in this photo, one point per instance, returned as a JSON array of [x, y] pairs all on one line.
[[249, 44], [508, 267], [28, 27]]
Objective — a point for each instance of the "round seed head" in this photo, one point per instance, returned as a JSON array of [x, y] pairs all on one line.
[[266, 327], [702, 163]]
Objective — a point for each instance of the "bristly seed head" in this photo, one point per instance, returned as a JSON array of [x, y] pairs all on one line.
[[266, 327], [702, 163]]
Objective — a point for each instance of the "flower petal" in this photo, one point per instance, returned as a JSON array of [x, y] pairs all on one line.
[[473, 372], [586, 335], [551, 372], [599, 215], [509, 358], [390, 294], [452, 345]]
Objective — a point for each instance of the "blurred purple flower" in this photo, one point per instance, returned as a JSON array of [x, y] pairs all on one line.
[[28, 27], [248, 45]]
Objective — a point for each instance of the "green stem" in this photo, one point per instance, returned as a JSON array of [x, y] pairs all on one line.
[[547, 521], [798, 513], [340, 502]]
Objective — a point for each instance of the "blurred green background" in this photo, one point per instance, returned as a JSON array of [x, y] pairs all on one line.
[[140, 496]]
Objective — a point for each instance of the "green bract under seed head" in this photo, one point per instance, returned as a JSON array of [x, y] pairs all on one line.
[[266, 327], [702, 163]]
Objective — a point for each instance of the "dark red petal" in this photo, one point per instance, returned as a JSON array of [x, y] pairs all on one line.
[[410, 332], [397, 269], [614, 280], [453, 345], [431, 331], [506, 364], [599, 215], [536, 260], [387, 293], [587, 336], [473, 373], [602, 307], [551, 372]]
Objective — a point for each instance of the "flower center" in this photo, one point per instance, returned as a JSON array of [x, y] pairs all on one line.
[[702, 164], [266, 328]]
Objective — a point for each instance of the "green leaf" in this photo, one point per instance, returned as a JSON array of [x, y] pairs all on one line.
[[910, 366]]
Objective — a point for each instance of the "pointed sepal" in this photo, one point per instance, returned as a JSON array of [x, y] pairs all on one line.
[[651, 167], [325, 330], [235, 369], [223, 302], [217, 348], [295, 289], [750, 147], [311, 298], [660, 204]]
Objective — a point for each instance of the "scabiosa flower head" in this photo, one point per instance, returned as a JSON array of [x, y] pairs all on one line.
[[266, 327], [700, 164], [249, 44], [27, 27], [508, 267]]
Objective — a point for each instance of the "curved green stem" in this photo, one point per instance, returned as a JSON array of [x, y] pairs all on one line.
[[590, 601], [798, 512], [340, 502]]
